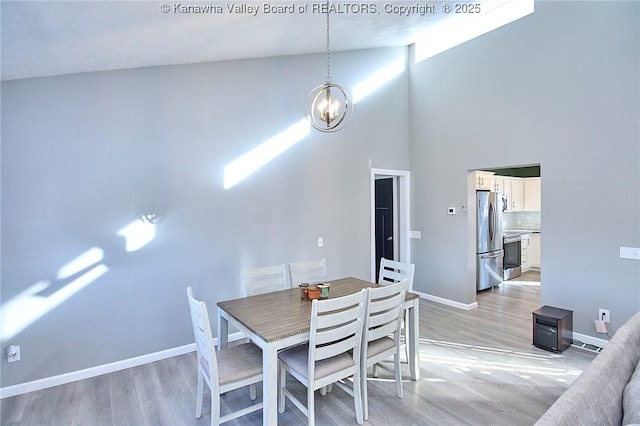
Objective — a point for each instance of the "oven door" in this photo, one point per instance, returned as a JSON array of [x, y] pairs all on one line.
[[512, 258]]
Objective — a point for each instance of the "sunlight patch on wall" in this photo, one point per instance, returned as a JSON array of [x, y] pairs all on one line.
[[377, 80], [137, 234], [237, 170], [29, 306], [453, 32], [80, 263]]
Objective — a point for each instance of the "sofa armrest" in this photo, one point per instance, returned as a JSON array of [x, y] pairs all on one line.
[[595, 398]]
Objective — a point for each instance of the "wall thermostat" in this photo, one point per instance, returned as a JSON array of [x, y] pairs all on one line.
[[451, 210]]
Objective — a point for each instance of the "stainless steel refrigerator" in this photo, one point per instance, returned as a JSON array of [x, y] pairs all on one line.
[[489, 253]]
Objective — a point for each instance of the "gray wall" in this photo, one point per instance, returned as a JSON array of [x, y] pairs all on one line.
[[82, 154], [559, 88]]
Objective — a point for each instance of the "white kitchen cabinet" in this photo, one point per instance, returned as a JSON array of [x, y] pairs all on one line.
[[532, 194], [506, 192], [533, 253], [497, 183], [517, 194], [524, 253], [483, 180]]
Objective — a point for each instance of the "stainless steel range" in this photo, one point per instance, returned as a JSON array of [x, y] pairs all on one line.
[[512, 246]]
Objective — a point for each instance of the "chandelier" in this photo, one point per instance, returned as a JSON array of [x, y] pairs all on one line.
[[329, 106]]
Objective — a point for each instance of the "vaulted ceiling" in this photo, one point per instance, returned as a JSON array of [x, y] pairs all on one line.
[[44, 38]]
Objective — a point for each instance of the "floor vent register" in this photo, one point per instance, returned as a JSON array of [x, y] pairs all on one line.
[[586, 346]]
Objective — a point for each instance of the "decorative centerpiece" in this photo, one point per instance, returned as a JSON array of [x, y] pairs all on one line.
[[324, 290], [314, 292], [304, 289]]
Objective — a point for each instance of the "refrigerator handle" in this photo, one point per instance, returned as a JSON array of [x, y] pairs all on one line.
[[491, 221], [491, 256]]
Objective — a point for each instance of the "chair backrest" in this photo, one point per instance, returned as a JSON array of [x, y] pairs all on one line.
[[392, 271], [312, 272], [205, 350], [384, 310], [336, 328], [265, 279]]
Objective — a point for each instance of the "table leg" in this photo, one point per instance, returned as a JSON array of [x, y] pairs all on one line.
[[414, 340], [270, 384], [223, 331]]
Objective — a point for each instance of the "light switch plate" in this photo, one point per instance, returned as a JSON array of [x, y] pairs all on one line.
[[451, 210], [630, 253]]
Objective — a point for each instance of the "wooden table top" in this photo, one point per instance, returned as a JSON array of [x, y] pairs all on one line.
[[280, 314]]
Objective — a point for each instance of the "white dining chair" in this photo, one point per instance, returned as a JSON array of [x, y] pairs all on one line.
[[312, 272], [393, 271], [332, 354], [381, 335], [224, 370], [265, 279]]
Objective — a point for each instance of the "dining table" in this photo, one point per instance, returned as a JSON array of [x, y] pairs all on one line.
[[281, 319]]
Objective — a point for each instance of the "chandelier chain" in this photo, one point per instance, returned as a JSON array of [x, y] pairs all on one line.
[[328, 80]]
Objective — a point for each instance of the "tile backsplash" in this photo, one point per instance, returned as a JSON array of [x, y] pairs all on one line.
[[522, 220]]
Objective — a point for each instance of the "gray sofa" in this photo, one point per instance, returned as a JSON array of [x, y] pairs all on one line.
[[608, 391]]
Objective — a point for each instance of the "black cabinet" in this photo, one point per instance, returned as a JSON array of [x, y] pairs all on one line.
[[552, 328]]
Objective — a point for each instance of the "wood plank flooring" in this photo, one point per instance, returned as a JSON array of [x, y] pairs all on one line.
[[478, 368]]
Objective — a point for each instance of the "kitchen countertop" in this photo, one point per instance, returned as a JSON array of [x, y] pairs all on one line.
[[520, 231]]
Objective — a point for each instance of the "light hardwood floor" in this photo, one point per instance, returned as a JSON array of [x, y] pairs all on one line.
[[478, 368]]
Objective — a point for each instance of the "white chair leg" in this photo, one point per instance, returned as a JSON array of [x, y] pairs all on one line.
[[252, 391], [199, 395], [215, 409], [405, 333], [398, 374], [311, 407], [357, 397], [364, 388], [282, 381], [375, 370]]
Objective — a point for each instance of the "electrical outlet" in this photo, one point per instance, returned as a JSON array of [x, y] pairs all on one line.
[[13, 353], [603, 315]]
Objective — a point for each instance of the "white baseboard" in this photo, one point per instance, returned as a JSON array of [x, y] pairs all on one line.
[[448, 302], [584, 338], [87, 373]]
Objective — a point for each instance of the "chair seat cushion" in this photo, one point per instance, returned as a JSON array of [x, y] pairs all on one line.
[[239, 362], [376, 347], [297, 358]]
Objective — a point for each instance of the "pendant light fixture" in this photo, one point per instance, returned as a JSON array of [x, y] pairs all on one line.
[[329, 106]]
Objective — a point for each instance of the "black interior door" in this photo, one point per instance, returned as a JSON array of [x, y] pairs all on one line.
[[384, 220]]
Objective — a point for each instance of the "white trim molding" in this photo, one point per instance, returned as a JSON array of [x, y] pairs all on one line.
[[87, 373], [447, 302], [590, 340]]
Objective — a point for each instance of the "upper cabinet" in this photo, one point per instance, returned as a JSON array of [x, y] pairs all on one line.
[[498, 183], [532, 194], [483, 180], [517, 194], [521, 194]]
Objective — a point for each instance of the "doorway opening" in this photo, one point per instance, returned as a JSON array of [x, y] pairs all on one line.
[[390, 217], [520, 188]]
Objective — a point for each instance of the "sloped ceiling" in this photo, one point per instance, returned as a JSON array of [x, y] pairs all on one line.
[[44, 38]]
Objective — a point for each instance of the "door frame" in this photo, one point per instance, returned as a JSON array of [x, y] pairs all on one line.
[[402, 218]]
